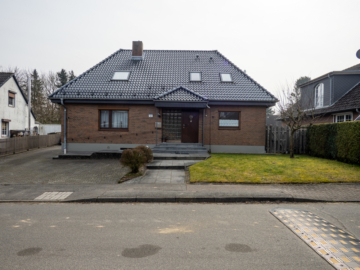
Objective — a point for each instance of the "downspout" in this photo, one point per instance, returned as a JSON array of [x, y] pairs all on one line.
[[62, 103], [203, 124], [210, 129], [331, 98], [156, 118]]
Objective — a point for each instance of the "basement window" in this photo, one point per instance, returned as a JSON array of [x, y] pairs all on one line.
[[226, 77], [195, 76], [121, 76]]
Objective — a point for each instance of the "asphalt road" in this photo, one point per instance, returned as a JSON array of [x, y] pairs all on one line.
[[159, 236]]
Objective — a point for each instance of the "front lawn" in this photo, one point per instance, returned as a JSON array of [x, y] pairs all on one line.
[[241, 168]]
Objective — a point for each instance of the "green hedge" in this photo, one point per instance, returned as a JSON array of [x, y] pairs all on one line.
[[340, 141]]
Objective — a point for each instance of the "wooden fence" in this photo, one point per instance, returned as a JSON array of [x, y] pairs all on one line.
[[278, 140], [22, 144]]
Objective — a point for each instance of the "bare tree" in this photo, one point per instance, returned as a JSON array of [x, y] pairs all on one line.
[[52, 110], [295, 111]]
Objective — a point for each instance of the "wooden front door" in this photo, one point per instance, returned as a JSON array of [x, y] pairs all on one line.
[[189, 126]]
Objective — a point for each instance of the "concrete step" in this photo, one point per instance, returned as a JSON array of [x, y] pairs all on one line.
[[169, 156], [180, 149]]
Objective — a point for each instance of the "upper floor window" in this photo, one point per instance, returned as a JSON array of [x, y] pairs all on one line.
[[225, 77], [121, 76], [319, 95], [11, 99], [195, 76], [113, 119]]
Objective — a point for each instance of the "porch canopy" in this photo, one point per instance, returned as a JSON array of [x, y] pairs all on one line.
[[181, 97]]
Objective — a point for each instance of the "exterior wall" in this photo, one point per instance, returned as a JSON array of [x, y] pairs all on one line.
[[49, 128], [18, 114], [83, 133], [343, 83]]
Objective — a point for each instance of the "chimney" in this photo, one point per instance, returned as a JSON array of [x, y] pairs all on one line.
[[137, 50]]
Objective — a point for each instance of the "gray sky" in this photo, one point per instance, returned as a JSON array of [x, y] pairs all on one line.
[[274, 41]]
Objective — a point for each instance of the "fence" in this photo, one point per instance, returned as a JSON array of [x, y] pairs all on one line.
[[22, 144], [278, 140]]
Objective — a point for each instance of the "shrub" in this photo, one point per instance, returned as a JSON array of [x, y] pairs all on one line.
[[133, 158], [339, 141], [147, 152]]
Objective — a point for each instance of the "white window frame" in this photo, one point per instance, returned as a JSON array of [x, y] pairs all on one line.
[[336, 116], [195, 80], [6, 129], [319, 96], [127, 78], [221, 77]]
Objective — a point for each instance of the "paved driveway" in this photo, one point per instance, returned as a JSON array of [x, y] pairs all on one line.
[[38, 167]]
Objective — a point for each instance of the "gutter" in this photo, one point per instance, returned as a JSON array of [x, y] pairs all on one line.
[[62, 103]]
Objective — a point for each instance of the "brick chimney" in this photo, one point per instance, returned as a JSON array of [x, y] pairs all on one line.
[[137, 50]]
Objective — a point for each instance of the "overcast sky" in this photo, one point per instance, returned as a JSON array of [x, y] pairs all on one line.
[[275, 41]]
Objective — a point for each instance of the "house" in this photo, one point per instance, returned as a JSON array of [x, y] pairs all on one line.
[[334, 96], [151, 96], [14, 110]]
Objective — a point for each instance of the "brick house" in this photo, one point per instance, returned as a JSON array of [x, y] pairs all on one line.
[[151, 96], [334, 96]]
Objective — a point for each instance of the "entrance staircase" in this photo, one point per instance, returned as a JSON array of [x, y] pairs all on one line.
[[180, 148]]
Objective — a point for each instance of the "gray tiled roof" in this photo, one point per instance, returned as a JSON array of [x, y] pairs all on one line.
[[180, 94], [160, 72]]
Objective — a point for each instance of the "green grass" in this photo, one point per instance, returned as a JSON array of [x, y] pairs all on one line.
[[241, 168]]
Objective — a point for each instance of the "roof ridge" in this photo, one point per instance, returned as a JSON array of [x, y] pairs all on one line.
[[174, 50], [87, 71], [247, 76]]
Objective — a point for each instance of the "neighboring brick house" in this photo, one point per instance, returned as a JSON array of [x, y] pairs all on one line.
[[14, 110], [335, 96], [190, 96]]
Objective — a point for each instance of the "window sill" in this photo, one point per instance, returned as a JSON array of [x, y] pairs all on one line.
[[229, 128], [114, 129]]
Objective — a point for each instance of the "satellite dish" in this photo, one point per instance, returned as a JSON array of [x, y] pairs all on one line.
[[358, 54]]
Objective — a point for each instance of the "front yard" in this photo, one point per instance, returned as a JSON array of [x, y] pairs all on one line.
[[270, 169]]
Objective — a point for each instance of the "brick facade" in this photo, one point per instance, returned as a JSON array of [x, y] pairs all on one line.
[[83, 125]]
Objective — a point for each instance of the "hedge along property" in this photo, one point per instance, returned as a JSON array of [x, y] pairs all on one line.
[[148, 96]]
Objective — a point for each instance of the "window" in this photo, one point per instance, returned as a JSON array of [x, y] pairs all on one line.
[[121, 76], [319, 95], [343, 117], [225, 77], [229, 120], [195, 76], [113, 119], [4, 128], [11, 99]]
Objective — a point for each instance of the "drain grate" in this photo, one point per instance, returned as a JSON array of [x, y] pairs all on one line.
[[53, 196], [339, 248]]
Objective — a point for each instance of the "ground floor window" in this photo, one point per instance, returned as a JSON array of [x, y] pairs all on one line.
[[114, 119], [343, 118], [4, 128], [229, 120]]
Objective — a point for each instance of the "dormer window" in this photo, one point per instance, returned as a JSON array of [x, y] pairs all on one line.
[[195, 76], [319, 95], [226, 77], [121, 76]]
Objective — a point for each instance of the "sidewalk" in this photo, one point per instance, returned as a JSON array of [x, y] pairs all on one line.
[[180, 193]]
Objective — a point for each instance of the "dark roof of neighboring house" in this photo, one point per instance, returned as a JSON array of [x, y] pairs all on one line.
[[349, 101], [272, 119], [162, 71], [5, 76], [349, 71]]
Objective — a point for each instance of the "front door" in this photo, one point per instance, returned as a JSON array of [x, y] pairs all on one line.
[[189, 126]]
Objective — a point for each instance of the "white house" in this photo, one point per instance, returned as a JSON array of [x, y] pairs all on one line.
[[14, 111]]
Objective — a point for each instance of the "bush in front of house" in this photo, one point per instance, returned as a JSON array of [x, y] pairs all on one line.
[[340, 141], [133, 158], [147, 152]]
